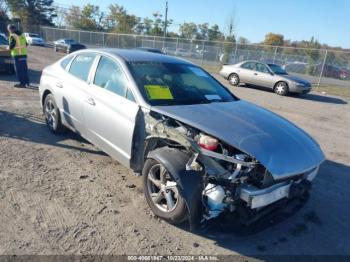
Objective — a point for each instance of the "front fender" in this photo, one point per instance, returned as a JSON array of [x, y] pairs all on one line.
[[189, 183]]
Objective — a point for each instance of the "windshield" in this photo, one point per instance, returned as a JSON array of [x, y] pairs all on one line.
[[177, 84], [277, 69]]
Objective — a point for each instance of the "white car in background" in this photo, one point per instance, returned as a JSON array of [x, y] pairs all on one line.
[[34, 39]]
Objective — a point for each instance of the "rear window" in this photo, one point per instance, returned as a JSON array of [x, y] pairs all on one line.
[[65, 62], [81, 65]]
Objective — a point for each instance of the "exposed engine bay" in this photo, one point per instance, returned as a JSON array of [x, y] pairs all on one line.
[[230, 180]]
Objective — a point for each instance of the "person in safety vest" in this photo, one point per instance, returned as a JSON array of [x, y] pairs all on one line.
[[18, 47]]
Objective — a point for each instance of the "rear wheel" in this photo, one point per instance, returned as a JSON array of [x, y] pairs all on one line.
[[52, 115], [234, 79], [162, 194], [281, 88]]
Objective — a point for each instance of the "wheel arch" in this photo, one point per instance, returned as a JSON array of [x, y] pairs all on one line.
[[45, 94]]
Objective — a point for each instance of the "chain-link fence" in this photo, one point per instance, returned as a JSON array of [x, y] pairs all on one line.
[[323, 68]]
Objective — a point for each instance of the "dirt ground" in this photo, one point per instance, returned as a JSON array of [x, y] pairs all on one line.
[[61, 195]]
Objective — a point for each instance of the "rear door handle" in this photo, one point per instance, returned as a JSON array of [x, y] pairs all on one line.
[[91, 101], [59, 85]]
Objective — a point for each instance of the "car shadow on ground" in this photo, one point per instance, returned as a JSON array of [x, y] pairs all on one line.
[[298, 228], [33, 129], [310, 96], [34, 77]]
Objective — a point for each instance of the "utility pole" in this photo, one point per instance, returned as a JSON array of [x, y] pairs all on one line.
[[165, 18]]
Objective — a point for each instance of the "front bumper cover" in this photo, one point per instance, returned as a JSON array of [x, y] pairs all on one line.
[[257, 198]]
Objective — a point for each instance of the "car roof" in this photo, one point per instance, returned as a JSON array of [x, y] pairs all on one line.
[[133, 55]]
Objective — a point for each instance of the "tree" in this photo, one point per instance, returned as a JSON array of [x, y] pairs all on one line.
[[3, 11], [231, 25], [60, 16], [188, 30], [313, 55], [32, 12], [214, 33], [243, 41], [274, 39], [119, 21], [88, 18], [158, 24], [203, 30]]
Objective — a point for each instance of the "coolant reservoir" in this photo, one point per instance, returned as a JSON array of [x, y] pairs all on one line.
[[215, 195]]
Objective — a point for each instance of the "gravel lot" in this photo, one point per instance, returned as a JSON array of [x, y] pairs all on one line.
[[61, 195]]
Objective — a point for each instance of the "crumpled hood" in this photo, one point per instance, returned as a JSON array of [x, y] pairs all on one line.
[[296, 79], [279, 145]]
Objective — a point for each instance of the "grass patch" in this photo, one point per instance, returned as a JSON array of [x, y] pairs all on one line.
[[334, 90], [212, 69]]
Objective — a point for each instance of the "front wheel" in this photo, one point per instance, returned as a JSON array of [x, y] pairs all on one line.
[[162, 194], [281, 88], [233, 79], [52, 115]]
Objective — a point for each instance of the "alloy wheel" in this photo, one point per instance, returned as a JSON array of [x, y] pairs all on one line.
[[162, 188], [50, 114]]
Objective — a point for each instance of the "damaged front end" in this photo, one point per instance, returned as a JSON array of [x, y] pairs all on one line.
[[214, 177]]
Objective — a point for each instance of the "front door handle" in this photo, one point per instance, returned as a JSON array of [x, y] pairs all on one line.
[[91, 101], [59, 85], [255, 74]]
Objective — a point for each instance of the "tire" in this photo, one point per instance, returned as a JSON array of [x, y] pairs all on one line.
[[281, 88], [175, 215], [233, 79], [52, 115]]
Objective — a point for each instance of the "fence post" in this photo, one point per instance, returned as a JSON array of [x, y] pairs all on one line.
[[154, 42], [203, 53], [79, 37], [274, 56], [234, 56], [323, 65], [177, 44], [103, 39]]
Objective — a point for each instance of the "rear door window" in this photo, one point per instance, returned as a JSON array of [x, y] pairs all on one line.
[[65, 62], [249, 65], [81, 65]]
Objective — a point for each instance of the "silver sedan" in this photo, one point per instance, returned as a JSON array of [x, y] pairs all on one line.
[[200, 150], [265, 75]]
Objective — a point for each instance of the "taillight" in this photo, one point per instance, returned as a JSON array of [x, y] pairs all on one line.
[[208, 142]]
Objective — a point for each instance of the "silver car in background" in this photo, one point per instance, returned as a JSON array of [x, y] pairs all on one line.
[[201, 150], [266, 75]]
